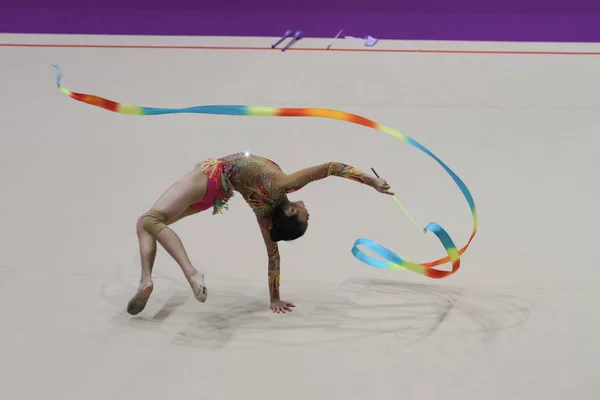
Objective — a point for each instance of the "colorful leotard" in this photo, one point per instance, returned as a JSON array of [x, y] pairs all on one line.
[[258, 180], [219, 189]]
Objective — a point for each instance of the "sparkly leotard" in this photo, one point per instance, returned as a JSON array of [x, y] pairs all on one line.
[[254, 178], [258, 180]]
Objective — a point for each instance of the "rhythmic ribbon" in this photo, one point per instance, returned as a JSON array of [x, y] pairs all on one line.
[[390, 260]]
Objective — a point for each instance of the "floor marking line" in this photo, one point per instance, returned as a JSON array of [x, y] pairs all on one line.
[[251, 48]]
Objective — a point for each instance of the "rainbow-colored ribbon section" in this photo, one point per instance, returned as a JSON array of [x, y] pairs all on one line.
[[390, 260]]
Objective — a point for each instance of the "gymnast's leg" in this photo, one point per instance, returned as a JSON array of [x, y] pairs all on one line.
[[147, 245], [172, 206]]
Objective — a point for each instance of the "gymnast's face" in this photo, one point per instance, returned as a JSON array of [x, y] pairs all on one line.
[[298, 209]]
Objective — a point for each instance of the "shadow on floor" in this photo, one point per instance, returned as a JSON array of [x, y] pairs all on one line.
[[390, 313]]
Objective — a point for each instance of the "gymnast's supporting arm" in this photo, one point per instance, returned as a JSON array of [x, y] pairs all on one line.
[[303, 177], [277, 305]]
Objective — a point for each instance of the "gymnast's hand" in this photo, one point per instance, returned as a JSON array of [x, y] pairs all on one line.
[[382, 186], [280, 306]]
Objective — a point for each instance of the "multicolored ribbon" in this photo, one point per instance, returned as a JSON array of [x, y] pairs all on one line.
[[390, 259]]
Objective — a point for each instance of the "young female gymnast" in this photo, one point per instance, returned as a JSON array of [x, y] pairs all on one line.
[[262, 184]]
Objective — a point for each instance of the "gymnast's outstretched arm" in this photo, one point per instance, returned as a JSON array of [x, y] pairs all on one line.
[[303, 177]]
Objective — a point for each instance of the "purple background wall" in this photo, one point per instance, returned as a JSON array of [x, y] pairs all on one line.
[[489, 20]]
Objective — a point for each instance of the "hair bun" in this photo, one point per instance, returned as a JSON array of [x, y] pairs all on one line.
[[284, 227], [275, 234]]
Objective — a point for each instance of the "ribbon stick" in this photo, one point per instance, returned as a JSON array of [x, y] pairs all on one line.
[[401, 206], [390, 259]]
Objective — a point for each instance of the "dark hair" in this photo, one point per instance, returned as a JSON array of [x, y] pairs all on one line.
[[284, 227]]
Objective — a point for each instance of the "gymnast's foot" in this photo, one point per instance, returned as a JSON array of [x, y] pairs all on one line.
[[138, 302], [198, 286]]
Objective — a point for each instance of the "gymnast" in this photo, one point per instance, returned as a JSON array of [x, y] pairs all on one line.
[[210, 184]]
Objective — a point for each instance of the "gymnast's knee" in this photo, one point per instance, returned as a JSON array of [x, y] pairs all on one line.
[[154, 222]]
